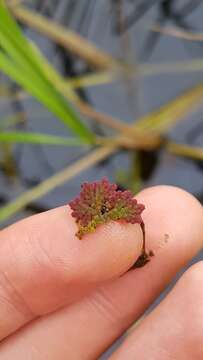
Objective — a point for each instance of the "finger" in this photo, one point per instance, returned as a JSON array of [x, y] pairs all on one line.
[[44, 266], [87, 328], [174, 330]]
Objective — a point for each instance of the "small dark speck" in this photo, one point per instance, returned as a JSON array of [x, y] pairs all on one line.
[[151, 253], [104, 209], [166, 237]]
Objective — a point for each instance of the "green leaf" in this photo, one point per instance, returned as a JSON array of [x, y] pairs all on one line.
[[20, 61], [38, 138]]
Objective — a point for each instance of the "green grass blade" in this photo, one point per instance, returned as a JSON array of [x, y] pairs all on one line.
[[20, 55], [38, 138], [57, 106]]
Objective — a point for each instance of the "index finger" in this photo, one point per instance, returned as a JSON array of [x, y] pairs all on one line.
[[44, 266]]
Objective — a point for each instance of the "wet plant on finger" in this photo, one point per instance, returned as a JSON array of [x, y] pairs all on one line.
[[100, 202]]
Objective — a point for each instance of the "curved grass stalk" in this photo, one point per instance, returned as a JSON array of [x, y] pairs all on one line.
[[184, 150], [54, 181], [66, 38]]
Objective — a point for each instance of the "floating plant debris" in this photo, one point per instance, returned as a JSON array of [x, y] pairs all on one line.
[[100, 202]]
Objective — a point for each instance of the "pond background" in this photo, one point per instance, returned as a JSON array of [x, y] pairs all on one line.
[[126, 100]]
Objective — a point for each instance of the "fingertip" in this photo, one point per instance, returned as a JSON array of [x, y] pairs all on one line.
[[174, 223], [113, 248], [104, 254], [50, 238]]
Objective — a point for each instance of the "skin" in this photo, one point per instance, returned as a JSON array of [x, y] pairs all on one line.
[[62, 298]]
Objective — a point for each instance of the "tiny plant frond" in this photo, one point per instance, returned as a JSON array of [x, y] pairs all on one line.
[[100, 202]]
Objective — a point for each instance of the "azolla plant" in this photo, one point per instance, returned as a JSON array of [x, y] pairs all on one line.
[[100, 202]]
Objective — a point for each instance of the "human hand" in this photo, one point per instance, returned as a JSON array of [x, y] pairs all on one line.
[[62, 298]]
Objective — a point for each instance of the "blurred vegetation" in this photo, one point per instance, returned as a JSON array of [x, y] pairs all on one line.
[[28, 73]]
